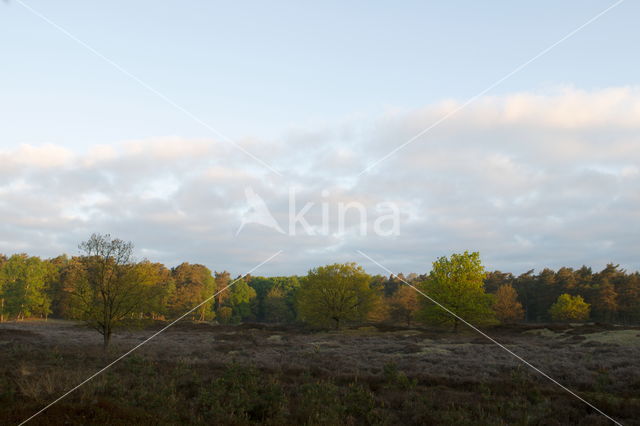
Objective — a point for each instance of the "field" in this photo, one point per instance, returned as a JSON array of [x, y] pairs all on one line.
[[199, 373]]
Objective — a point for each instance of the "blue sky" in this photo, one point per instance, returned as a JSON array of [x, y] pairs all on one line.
[[260, 69], [541, 171]]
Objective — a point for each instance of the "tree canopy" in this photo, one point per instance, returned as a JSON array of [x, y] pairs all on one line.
[[109, 287], [570, 308], [335, 294], [72, 288], [506, 305], [457, 283]]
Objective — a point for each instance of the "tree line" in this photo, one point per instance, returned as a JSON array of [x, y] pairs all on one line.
[[104, 286]]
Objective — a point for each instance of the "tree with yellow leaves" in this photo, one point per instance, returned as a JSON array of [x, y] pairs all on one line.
[[570, 308], [506, 305]]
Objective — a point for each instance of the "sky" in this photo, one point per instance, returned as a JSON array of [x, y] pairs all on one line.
[[153, 120]]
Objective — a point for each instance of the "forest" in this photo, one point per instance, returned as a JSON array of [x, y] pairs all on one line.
[[74, 288], [334, 343]]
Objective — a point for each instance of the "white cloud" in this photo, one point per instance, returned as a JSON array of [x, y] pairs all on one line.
[[45, 156], [529, 179]]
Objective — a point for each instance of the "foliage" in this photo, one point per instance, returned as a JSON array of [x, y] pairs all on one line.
[[570, 308], [506, 305], [457, 284], [239, 300], [225, 314], [22, 286], [404, 304], [159, 288], [34, 287], [334, 294], [278, 306], [193, 285], [109, 287], [275, 298]]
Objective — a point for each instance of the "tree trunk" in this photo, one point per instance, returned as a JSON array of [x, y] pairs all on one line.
[[106, 339], [455, 325], [337, 320]]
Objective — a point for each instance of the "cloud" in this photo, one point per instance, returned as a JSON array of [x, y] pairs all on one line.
[[529, 179]]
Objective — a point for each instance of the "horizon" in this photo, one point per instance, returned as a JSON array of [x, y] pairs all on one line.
[[373, 274]]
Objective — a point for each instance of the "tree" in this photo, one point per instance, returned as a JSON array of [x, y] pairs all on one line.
[[506, 305], [159, 288], [458, 284], [73, 275], [404, 304], [54, 282], [496, 279], [3, 260], [274, 294], [525, 285], [570, 308], [23, 287], [334, 294], [629, 298], [239, 300], [547, 291], [566, 280], [193, 285], [606, 301], [222, 279], [109, 287], [224, 314], [277, 306]]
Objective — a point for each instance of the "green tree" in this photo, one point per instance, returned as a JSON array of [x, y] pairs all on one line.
[[506, 305], [274, 294], [109, 288], [277, 306], [3, 260], [458, 284], [239, 300], [570, 308], [23, 287], [334, 294]]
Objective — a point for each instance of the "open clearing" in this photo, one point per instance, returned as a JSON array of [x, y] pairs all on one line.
[[195, 373]]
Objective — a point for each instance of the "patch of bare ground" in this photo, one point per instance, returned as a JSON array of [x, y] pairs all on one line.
[[284, 374]]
